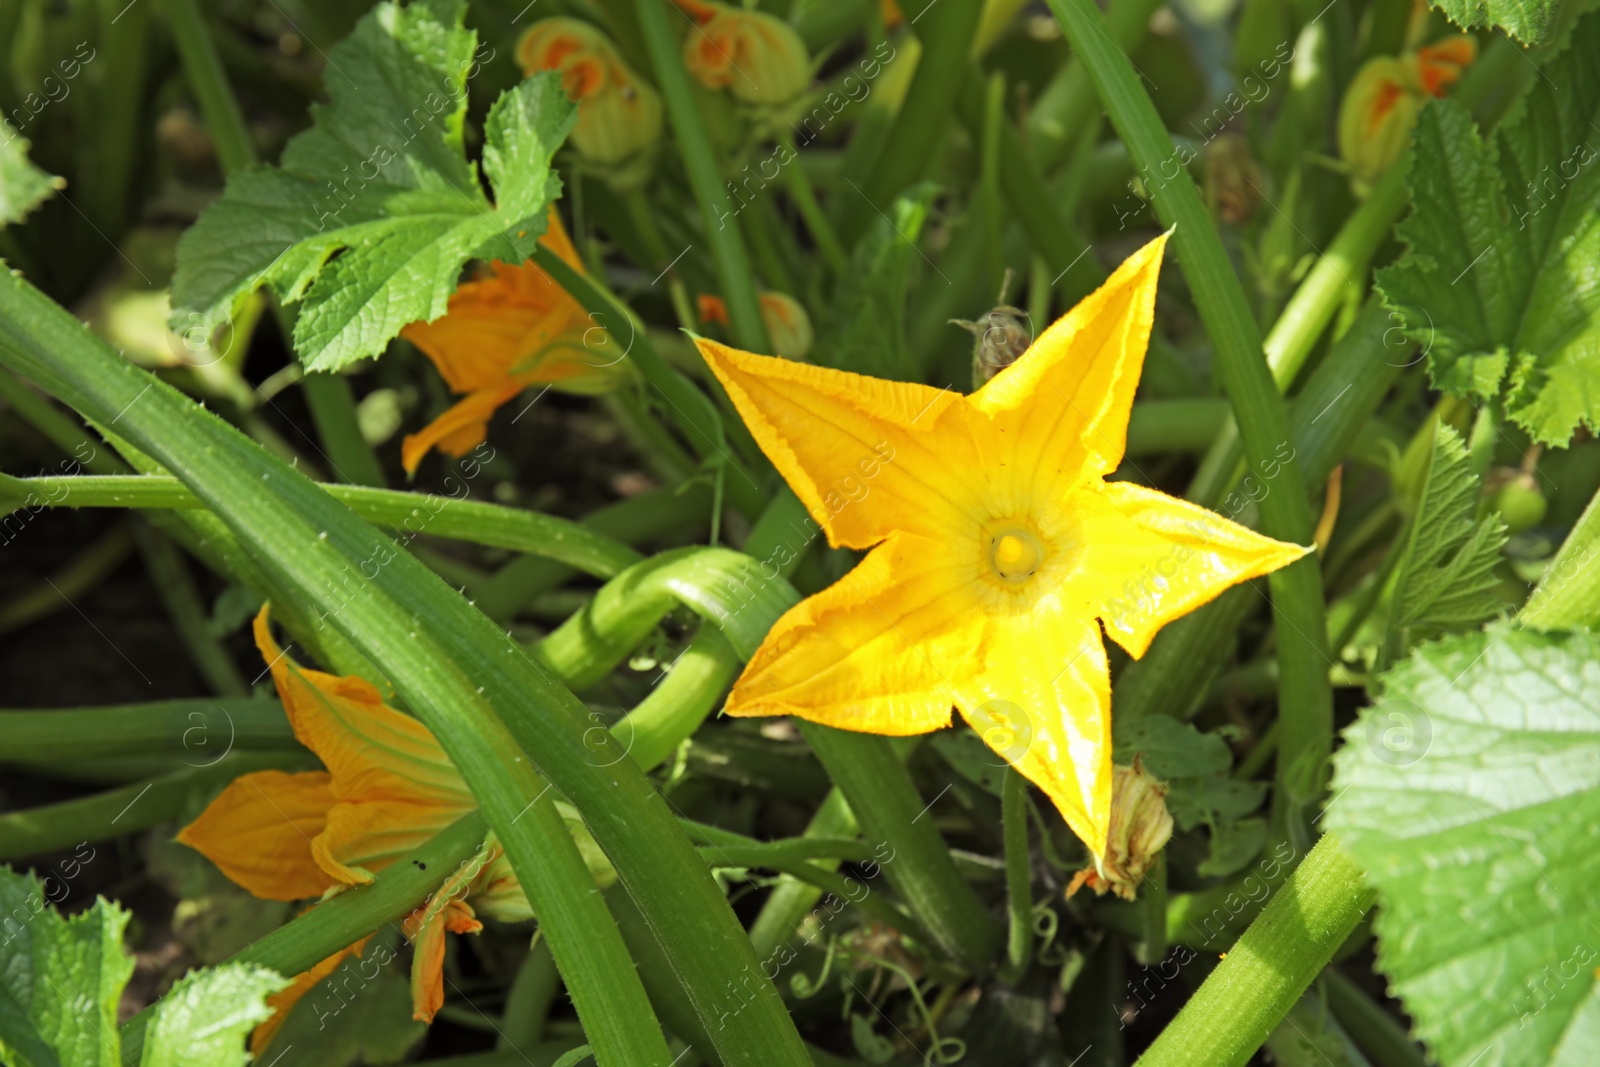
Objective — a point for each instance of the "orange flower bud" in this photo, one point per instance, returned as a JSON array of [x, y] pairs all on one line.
[[787, 323], [757, 57], [1140, 828], [1380, 107], [619, 114]]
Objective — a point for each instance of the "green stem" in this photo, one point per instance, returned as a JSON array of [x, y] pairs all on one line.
[[528, 1000], [181, 597], [918, 864], [994, 224], [734, 275], [129, 809], [791, 900], [1374, 1029], [1077, 272], [346, 918], [1275, 961], [680, 701], [1340, 272], [333, 412], [723, 586], [413, 514], [1305, 698], [62, 430], [805, 200], [209, 83], [1019, 868], [1186, 425], [634, 521], [198, 729], [907, 153], [460, 673], [692, 411]]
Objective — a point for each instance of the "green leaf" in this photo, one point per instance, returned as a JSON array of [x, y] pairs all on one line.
[[1526, 20], [375, 209], [1446, 578], [59, 979], [868, 319], [204, 1020], [1479, 834], [1501, 285], [23, 186], [1171, 749]]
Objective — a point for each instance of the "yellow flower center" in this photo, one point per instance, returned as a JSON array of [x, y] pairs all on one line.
[[1015, 554]]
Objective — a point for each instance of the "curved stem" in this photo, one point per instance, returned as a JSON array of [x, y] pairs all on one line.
[[1269, 967]]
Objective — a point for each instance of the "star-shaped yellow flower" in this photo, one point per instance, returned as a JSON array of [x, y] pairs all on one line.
[[996, 545]]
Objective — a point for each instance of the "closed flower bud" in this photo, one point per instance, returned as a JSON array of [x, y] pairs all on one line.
[[619, 114], [1381, 105], [1140, 828], [788, 325], [757, 57]]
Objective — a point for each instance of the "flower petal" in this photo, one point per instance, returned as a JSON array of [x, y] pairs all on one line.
[[1065, 402], [372, 751], [364, 837], [862, 453], [259, 830], [426, 928], [1042, 700], [461, 428], [283, 1001], [871, 652], [1156, 557]]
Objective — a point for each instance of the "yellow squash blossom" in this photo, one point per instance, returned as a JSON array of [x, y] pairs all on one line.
[[996, 543], [757, 57], [387, 789], [1381, 105], [786, 321], [619, 114], [511, 328]]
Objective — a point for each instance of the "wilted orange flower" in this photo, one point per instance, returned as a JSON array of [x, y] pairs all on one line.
[[1141, 826], [511, 328], [387, 789], [998, 547], [619, 114], [757, 57], [786, 321], [1380, 107]]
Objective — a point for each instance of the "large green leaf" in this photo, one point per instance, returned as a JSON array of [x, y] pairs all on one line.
[[375, 209], [1446, 577], [61, 980], [1526, 20], [204, 1019], [23, 186], [1501, 285], [1471, 795]]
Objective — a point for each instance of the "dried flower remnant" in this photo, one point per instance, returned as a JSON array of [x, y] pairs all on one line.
[[1141, 826]]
